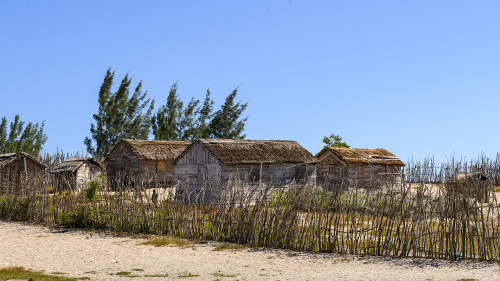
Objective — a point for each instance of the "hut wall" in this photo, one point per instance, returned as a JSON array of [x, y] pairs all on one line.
[[13, 177], [200, 174], [334, 173], [124, 166]]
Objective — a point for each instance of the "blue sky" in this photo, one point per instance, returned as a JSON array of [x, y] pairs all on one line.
[[418, 78]]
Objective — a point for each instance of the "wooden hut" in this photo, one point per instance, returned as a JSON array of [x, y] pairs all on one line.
[[146, 163], [348, 167], [74, 173], [470, 185], [207, 164], [20, 172]]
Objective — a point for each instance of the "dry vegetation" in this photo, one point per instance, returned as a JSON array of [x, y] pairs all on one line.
[[418, 215]]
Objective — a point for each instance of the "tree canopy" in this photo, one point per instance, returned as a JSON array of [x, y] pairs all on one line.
[[119, 116], [176, 121], [334, 140], [20, 138]]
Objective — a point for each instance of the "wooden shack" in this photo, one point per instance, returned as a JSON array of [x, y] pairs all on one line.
[[340, 167], [208, 164], [74, 173], [475, 185], [144, 163], [20, 172]]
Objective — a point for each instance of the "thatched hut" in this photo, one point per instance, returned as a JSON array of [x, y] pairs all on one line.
[[209, 163], [347, 167], [146, 163], [20, 172], [74, 173], [470, 185]]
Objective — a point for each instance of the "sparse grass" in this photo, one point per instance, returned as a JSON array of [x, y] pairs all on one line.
[[137, 269], [187, 275], [58, 273], [83, 278], [468, 279], [166, 241], [225, 246], [8, 273], [155, 275], [496, 188], [124, 273], [220, 274]]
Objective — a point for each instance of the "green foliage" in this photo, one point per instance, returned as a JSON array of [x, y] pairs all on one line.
[[335, 140], [119, 116], [20, 273], [92, 190], [176, 121], [29, 139], [226, 122]]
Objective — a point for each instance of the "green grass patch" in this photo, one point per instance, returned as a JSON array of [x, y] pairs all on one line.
[[83, 278], [225, 246], [166, 241], [137, 269], [220, 274], [8, 273], [123, 273], [155, 275], [468, 279], [57, 273], [188, 275]]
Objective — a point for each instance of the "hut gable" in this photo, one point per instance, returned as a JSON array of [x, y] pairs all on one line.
[[7, 158], [149, 149], [344, 155], [73, 164], [242, 152]]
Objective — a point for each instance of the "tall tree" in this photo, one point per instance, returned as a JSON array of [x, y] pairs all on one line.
[[29, 139], [165, 122], [334, 140], [119, 116], [226, 122], [204, 117]]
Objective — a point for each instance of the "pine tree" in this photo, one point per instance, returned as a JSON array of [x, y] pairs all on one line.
[[204, 117], [119, 116], [226, 122], [3, 134], [334, 140], [165, 122], [29, 139]]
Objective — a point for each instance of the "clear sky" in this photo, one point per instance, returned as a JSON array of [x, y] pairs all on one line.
[[418, 78]]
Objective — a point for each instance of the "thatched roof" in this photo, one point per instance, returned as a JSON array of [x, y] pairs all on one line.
[[7, 158], [234, 152], [73, 164], [363, 155], [156, 149]]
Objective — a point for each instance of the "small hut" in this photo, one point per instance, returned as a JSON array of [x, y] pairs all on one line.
[[74, 173], [470, 185], [209, 163], [348, 167], [146, 163], [20, 172]]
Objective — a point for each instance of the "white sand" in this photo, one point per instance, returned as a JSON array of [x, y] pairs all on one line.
[[84, 254]]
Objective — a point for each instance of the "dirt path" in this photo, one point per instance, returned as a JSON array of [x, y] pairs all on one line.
[[100, 257]]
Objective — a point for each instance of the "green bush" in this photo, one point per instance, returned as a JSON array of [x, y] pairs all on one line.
[[92, 190]]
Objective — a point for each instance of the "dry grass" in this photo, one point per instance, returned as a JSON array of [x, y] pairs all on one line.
[[226, 246], [166, 241], [20, 273]]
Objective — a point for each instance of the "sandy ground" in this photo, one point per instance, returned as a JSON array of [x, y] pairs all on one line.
[[100, 256]]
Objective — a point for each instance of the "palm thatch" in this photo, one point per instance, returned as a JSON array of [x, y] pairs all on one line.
[[73, 164], [7, 158], [235, 152], [155, 149], [377, 156]]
